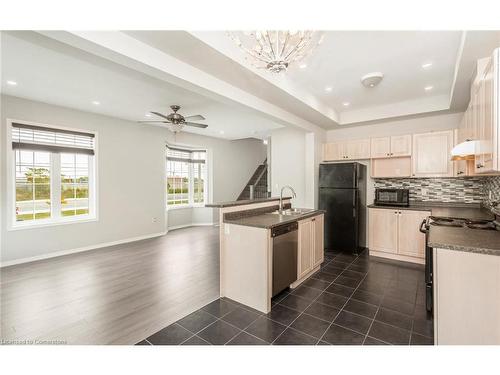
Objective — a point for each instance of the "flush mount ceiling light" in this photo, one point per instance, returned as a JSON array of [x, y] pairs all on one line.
[[276, 50], [328, 89], [426, 65], [346, 104], [95, 102], [372, 79], [303, 66], [12, 83], [428, 88]]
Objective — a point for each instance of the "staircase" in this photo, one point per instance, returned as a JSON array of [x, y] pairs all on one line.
[[259, 181]]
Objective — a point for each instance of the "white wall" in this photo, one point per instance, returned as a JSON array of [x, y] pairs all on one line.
[[131, 169], [295, 157], [421, 124]]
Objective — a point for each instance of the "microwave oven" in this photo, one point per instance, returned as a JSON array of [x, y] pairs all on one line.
[[392, 197]]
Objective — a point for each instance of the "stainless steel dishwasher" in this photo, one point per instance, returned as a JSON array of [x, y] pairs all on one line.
[[285, 240]]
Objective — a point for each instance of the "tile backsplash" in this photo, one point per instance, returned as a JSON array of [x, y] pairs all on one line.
[[491, 187], [458, 190]]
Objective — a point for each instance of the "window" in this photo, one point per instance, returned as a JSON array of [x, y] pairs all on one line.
[[53, 174], [186, 177]]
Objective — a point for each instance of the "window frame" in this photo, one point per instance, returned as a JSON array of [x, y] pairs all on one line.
[[191, 203], [55, 188]]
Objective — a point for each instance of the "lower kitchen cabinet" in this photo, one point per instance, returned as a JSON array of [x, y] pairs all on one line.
[[411, 241], [395, 234], [382, 230], [466, 298], [311, 246]]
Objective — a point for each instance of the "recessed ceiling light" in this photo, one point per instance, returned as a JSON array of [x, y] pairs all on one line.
[[265, 141], [221, 132], [328, 89], [427, 65], [95, 102], [346, 104], [428, 88], [12, 83], [303, 66], [148, 115]]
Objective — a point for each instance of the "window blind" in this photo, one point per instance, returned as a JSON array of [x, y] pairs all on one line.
[[185, 155], [39, 138]]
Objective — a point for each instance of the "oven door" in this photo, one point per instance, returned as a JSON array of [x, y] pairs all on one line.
[[424, 228]]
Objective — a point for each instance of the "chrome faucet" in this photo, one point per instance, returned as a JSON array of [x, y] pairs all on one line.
[[281, 196]]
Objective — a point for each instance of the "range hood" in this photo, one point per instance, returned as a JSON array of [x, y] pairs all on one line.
[[465, 150]]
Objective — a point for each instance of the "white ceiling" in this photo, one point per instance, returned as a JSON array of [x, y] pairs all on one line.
[[133, 72], [346, 56], [55, 73]]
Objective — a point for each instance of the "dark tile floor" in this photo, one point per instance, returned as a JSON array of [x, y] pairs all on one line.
[[351, 301]]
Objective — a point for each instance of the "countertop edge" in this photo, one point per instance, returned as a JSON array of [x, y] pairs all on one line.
[[244, 202], [464, 249], [291, 219]]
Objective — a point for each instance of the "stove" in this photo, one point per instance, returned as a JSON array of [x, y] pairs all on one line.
[[463, 223]]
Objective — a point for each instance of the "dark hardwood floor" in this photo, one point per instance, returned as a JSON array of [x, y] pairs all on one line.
[[115, 295]]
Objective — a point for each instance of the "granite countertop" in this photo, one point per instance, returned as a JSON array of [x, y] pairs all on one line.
[[268, 220], [465, 239], [459, 211], [244, 202]]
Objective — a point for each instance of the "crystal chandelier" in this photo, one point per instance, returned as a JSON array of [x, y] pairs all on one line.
[[276, 50]]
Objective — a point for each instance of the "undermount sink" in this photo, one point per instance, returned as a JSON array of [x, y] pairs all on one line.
[[290, 211]]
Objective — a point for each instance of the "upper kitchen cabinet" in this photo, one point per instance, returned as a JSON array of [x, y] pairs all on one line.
[[347, 150], [431, 154], [333, 151], [395, 146], [487, 154]]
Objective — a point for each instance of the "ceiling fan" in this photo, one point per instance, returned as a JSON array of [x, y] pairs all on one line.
[[176, 121]]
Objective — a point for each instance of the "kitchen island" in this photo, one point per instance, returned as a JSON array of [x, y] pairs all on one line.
[[248, 263]]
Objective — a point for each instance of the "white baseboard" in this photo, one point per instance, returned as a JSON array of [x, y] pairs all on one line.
[[79, 250], [190, 225]]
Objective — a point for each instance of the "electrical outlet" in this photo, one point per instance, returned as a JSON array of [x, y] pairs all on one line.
[[424, 192], [154, 220]]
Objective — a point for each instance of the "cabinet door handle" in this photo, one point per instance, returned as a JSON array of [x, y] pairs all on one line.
[[460, 172], [479, 165]]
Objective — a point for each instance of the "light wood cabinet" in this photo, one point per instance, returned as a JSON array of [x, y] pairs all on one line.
[[485, 129], [319, 244], [347, 150], [382, 230], [333, 151], [401, 145], [481, 121], [357, 149], [395, 234], [411, 241], [395, 146], [466, 298], [431, 154], [311, 245], [391, 167], [380, 147], [304, 263]]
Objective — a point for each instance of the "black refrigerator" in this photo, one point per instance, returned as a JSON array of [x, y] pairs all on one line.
[[342, 194]]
